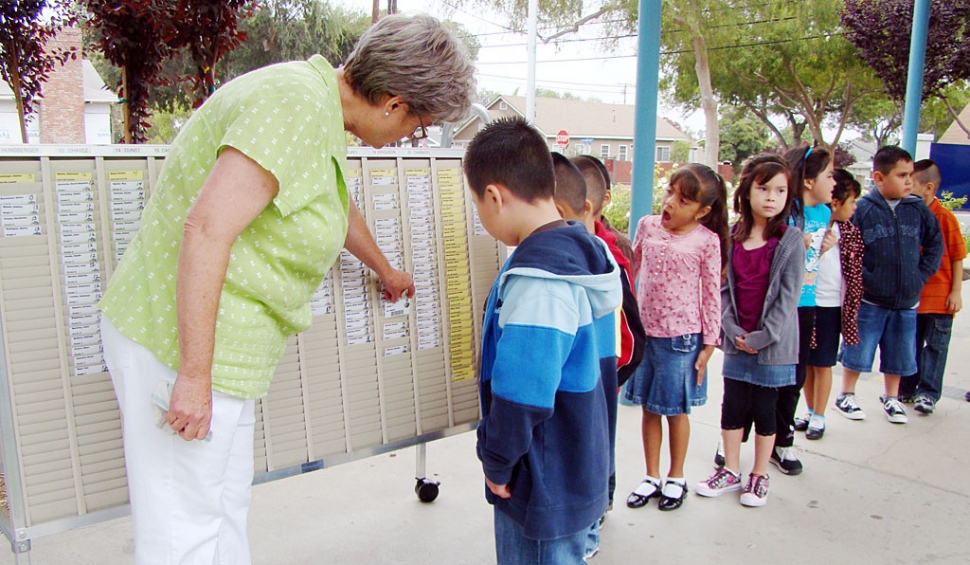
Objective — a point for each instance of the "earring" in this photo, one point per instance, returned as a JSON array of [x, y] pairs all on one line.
[[386, 114]]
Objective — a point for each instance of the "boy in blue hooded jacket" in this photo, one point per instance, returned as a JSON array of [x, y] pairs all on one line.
[[548, 363]]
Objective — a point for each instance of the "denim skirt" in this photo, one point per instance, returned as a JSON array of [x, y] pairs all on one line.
[[665, 383]]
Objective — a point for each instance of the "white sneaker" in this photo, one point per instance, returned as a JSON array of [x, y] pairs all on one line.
[[756, 491]]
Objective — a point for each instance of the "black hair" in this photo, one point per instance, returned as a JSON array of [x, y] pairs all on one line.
[[886, 158], [804, 163], [570, 184], [511, 153], [760, 169], [597, 180], [928, 172], [845, 185], [700, 183]]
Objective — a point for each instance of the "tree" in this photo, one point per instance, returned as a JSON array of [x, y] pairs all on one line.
[[742, 135], [25, 63], [207, 30], [130, 34], [935, 116], [880, 29], [878, 117], [680, 151], [781, 58]]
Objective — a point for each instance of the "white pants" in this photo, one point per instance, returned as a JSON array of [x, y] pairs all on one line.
[[189, 499]]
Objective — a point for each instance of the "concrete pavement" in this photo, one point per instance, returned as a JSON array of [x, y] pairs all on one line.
[[872, 492]]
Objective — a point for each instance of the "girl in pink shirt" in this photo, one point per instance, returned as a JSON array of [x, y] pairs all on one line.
[[678, 257]]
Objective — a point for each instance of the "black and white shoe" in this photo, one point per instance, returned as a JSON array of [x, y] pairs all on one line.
[[649, 488], [894, 409], [719, 455], [786, 460], [848, 406], [925, 405]]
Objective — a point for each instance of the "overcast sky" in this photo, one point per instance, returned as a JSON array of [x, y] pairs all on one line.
[[579, 64]]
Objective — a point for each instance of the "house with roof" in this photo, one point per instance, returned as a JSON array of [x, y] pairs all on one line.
[[954, 134], [594, 128], [74, 107]]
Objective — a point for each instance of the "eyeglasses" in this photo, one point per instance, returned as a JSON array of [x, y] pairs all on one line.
[[420, 132]]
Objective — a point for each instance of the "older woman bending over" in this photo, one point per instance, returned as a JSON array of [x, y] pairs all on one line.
[[249, 213]]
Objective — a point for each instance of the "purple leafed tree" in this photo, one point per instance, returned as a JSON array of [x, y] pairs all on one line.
[[208, 29], [25, 63], [881, 30], [130, 34]]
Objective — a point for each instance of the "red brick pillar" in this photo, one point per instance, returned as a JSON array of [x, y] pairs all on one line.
[[62, 102]]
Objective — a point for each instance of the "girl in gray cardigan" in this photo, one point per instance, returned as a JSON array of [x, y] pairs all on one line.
[[759, 322]]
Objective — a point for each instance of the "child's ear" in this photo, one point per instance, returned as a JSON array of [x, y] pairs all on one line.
[[587, 209], [493, 195], [702, 212], [607, 198], [560, 209], [878, 177]]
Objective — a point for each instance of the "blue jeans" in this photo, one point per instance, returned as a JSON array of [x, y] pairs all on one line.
[[592, 538], [932, 342], [893, 331], [513, 548]]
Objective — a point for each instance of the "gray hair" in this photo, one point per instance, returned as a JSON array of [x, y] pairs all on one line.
[[416, 58]]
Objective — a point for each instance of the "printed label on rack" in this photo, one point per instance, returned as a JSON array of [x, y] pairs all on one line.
[[21, 231], [18, 199], [64, 217], [125, 215], [84, 330], [127, 226], [395, 330], [399, 308], [383, 177], [79, 310], [92, 359], [81, 289], [84, 227], [385, 201], [76, 248], [79, 258], [10, 178], [84, 196], [81, 268], [77, 237], [85, 320], [396, 350], [126, 205], [137, 174], [19, 209], [86, 339], [90, 370], [358, 336], [62, 176], [82, 350], [76, 299], [74, 207], [73, 186], [128, 194], [20, 221]]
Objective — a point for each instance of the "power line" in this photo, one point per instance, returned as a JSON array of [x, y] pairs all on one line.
[[716, 48]]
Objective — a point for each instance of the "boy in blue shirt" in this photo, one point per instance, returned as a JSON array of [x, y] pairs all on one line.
[[903, 248], [548, 350]]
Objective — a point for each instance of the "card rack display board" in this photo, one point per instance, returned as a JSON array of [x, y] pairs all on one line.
[[369, 376]]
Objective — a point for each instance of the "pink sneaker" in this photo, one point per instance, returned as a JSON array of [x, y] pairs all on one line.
[[720, 482], [756, 491]]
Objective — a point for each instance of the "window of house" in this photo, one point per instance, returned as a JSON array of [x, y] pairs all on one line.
[[663, 154], [605, 151], [622, 154], [503, 106]]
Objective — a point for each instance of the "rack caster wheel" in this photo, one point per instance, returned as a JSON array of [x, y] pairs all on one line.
[[426, 490]]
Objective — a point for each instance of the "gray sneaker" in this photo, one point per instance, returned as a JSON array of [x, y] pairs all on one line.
[[848, 406], [925, 405], [894, 409]]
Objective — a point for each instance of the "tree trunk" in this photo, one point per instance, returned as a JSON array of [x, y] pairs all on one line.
[[956, 116], [712, 136], [767, 122], [126, 106], [18, 94], [376, 11]]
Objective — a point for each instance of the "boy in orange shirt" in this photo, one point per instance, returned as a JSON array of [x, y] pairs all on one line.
[[938, 302]]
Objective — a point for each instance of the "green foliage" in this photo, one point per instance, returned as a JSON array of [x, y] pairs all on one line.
[[934, 117], [165, 124], [949, 202], [618, 212], [680, 151], [742, 135]]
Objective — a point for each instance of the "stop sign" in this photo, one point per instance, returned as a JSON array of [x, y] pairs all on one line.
[[562, 138]]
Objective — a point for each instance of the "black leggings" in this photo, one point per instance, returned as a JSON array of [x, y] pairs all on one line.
[[745, 403], [788, 395]]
